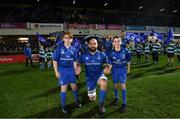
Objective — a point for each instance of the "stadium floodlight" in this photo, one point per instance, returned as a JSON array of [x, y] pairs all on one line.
[[74, 2], [174, 11], [22, 39], [176, 34], [161, 10], [105, 4], [37, 0], [141, 7]]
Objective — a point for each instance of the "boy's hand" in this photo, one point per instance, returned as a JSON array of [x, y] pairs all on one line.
[[107, 70], [78, 70], [58, 75]]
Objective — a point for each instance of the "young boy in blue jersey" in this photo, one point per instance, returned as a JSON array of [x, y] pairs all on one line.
[[64, 63], [118, 59], [93, 61]]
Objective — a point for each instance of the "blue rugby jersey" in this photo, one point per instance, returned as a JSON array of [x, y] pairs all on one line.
[[93, 63], [27, 51], [65, 56], [119, 58]]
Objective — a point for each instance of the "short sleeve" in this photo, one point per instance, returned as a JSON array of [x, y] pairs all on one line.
[[56, 54]]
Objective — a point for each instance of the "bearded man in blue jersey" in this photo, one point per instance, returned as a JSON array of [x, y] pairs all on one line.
[[94, 60]]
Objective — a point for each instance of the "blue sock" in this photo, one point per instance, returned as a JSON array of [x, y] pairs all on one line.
[[116, 93], [124, 96], [76, 95], [49, 65], [102, 95], [43, 66], [63, 98], [40, 66]]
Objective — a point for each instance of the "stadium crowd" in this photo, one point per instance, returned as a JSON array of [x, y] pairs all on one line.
[[16, 46], [44, 14]]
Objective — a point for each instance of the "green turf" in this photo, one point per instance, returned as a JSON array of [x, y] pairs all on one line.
[[152, 91]]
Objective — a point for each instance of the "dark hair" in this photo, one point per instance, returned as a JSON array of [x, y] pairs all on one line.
[[91, 38], [115, 37]]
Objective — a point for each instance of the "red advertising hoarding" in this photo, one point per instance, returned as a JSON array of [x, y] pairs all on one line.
[[12, 59], [17, 59], [13, 25]]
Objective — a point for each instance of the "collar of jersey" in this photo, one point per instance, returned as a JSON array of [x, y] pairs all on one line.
[[94, 53]]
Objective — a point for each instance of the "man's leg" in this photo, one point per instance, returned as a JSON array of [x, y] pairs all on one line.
[[172, 59], [153, 57], [148, 59], [137, 56], [41, 64], [168, 59], [178, 56], [31, 62], [157, 57], [27, 61]]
